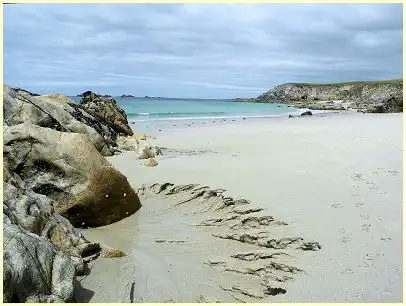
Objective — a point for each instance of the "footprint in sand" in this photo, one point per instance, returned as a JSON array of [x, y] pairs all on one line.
[[336, 205], [364, 217], [347, 270], [386, 238], [358, 204], [365, 227], [368, 261], [372, 185], [358, 177], [393, 172], [345, 237]]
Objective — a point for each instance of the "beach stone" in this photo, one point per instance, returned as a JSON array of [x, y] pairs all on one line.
[[34, 271], [107, 110], [150, 162], [111, 253], [67, 168], [127, 143], [148, 151], [306, 113]]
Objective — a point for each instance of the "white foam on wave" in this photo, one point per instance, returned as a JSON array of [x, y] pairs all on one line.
[[297, 112]]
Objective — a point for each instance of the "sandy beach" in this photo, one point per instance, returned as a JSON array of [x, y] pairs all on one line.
[[332, 181], [199, 153]]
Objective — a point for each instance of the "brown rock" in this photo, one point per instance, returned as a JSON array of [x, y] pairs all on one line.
[[67, 168], [112, 253], [108, 198]]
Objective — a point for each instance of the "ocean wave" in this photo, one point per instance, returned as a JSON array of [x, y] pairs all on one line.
[[211, 117], [174, 114], [232, 116]]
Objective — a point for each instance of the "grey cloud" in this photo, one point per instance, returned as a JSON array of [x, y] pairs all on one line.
[[198, 50]]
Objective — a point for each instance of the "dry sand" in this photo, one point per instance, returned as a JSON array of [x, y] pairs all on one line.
[[336, 180]]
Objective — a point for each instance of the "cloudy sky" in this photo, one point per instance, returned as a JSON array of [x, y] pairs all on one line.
[[212, 51]]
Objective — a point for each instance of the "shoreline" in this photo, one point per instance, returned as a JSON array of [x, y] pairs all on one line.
[[154, 125]]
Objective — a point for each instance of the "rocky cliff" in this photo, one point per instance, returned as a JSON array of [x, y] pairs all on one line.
[[376, 97]]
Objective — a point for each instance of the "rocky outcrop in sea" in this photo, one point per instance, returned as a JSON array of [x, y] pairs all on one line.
[[373, 97], [55, 180]]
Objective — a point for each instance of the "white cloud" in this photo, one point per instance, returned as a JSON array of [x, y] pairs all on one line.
[[198, 50]]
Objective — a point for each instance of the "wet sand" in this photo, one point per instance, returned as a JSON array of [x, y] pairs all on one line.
[[335, 180]]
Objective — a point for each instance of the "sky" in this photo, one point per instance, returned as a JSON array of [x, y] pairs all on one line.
[[195, 50]]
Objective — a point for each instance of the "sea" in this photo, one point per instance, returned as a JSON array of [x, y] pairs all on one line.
[[151, 114]]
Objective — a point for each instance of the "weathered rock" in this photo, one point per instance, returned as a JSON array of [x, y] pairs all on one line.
[[148, 151], [66, 168], [56, 112], [34, 212], [111, 253], [379, 96], [150, 162], [22, 109], [306, 113], [65, 237], [34, 271], [24, 207], [25, 92], [52, 165], [107, 110], [127, 143], [108, 198]]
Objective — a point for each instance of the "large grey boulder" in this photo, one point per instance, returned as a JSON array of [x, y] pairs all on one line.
[[33, 269], [146, 151], [67, 168], [108, 111], [59, 113], [35, 213]]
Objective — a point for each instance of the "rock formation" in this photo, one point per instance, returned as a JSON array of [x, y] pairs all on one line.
[[59, 113], [67, 168], [108, 111], [55, 176], [375, 97]]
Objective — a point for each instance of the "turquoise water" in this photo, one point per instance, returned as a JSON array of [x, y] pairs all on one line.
[[156, 109]]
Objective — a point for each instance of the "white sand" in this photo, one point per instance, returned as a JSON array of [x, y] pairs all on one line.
[[335, 179]]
